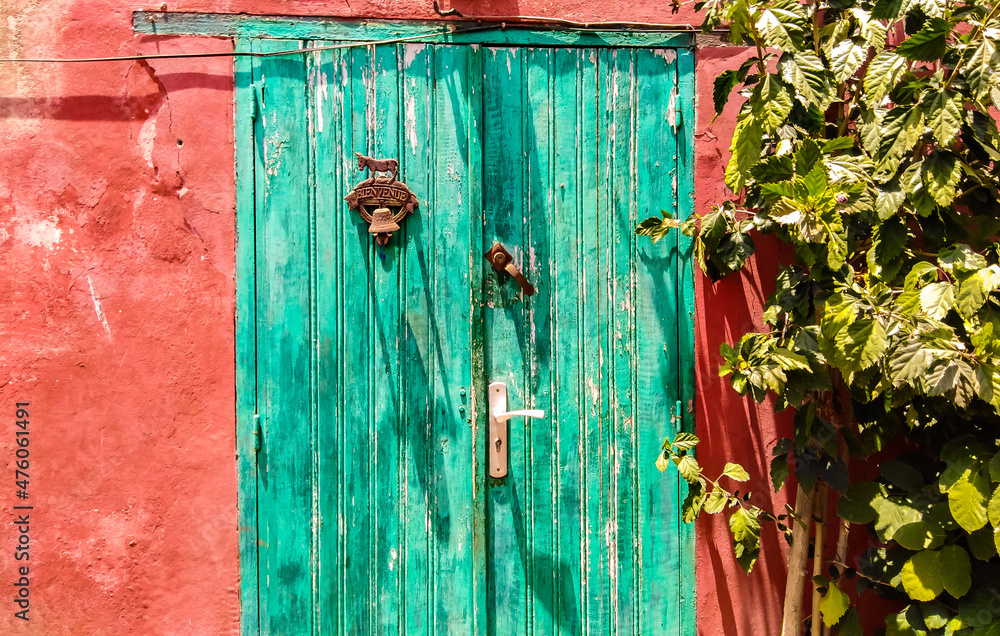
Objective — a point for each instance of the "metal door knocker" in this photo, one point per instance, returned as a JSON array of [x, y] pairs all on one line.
[[381, 201]]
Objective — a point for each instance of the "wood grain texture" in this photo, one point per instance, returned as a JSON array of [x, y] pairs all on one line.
[[444, 31], [373, 509]]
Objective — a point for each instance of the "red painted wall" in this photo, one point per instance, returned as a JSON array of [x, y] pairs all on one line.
[[117, 243]]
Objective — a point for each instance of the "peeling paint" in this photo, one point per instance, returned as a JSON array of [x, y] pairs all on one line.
[[411, 122], [43, 233], [669, 55], [410, 52]]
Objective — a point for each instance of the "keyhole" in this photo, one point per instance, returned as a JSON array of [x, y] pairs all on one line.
[[498, 443]]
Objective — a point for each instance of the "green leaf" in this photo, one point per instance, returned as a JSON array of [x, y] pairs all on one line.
[[921, 535], [888, 201], [888, 243], [850, 624], [981, 543], [840, 143], [941, 174], [921, 576], [929, 43], [747, 141], [937, 299], [902, 475], [936, 614], [688, 467], [722, 87], [773, 169], [657, 227], [909, 363], [995, 473], [807, 74], [899, 131], [972, 293], [782, 25], [892, 514], [960, 257], [735, 471], [862, 344], [770, 103], [744, 526], [716, 501], [980, 69], [883, 72], [662, 462], [780, 471], [967, 501], [807, 156], [833, 605], [855, 504], [956, 570], [693, 503], [944, 114], [685, 441], [993, 511], [909, 622], [846, 58]]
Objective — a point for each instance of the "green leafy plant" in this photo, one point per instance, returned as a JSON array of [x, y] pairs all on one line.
[[866, 144]]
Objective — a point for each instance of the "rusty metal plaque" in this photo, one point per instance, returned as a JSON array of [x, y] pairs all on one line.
[[383, 202]]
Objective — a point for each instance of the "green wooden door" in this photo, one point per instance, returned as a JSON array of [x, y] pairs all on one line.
[[367, 507]]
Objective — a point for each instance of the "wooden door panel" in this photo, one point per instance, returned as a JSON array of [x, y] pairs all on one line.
[[374, 513], [579, 146]]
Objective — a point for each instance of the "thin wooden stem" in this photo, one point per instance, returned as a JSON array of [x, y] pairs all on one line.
[[798, 557], [843, 533], [818, 543]]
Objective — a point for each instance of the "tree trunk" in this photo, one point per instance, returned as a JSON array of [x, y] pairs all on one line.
[[798, 556]]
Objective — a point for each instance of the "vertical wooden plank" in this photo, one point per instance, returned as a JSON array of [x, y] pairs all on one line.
[[382, 119], [356, 399], [504, 212], [656, 359], [685, 319], [330, 118], [418, 345], [619, 194], [538, 433], [450, 217], [285, 486], [568, 304], [478, 420], [246, 334], [594, 462]]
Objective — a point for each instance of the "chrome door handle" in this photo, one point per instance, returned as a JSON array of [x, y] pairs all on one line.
[[501, 260], [499, 415]]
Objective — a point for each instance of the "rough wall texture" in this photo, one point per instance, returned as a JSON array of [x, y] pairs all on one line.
[[117, 255]]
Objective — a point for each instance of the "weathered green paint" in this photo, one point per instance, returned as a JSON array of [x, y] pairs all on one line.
[[367, 508], [450, 32]]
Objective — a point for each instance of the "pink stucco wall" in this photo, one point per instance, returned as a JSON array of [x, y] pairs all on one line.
[[117, 236]]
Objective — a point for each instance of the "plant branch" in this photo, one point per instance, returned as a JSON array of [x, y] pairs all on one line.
[[979, 31], [798, 555]]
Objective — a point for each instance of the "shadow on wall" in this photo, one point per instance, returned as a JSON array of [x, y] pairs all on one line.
[[106, 107], [733, 428]]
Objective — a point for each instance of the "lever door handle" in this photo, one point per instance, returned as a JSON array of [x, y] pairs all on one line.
[[502, 261], [499, 415], [503, 417]]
